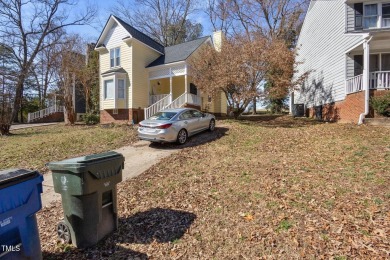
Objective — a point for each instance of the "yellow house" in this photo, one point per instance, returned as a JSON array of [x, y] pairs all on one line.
[[139, 76]]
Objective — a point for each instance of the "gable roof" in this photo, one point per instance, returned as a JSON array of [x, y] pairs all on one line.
[[178, 52], [141, 36], [133, 33]]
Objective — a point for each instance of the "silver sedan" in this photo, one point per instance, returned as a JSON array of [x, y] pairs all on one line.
[[175, 125]]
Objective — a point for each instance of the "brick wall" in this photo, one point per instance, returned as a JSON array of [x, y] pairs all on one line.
[[55, 117], [348, 110], [124, 116]]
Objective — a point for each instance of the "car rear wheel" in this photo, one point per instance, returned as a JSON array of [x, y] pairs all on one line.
[[182, 136], [212, 125]]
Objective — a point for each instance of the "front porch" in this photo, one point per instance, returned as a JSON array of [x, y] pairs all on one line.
[[368, 64], [171, 87]]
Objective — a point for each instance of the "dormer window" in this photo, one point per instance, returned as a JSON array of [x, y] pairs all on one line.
[[115, 57]]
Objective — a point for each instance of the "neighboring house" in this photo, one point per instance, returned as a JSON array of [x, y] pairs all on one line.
[[346, 46], [139, 76]]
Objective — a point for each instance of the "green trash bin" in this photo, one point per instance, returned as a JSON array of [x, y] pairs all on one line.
[[89, 196]]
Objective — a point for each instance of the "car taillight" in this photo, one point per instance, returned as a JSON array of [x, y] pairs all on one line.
[[163, 126]]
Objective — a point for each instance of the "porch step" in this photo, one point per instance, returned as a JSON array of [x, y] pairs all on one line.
[[378, 121]]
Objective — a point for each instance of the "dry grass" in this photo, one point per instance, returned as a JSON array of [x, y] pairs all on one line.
[[275, 189], [32, 148]]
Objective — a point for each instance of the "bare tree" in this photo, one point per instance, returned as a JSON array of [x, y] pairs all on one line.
[[166, 21], [241, 66], [70, 62], [25, 25]]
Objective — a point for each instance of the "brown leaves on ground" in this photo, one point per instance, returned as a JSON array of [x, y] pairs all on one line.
[[277, 189]]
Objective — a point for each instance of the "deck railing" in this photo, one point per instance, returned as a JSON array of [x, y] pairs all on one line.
[[354, 84], [378, 80], [44, 112]]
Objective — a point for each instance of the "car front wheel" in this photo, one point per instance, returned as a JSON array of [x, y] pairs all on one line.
[[182, 136], [212, 125]]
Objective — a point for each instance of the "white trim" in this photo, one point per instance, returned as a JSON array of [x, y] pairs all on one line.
[[158, 67]]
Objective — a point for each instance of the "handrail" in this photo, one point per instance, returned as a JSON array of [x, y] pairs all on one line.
[[44, 112], [151, 110]]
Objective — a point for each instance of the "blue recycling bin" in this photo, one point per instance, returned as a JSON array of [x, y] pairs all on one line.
[[20, 199]]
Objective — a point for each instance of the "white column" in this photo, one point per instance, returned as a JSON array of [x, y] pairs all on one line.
[[186, 87], [291, 101], [149, 96], [366, 73], [170, 85]]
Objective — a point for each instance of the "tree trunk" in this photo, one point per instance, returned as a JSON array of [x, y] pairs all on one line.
[[4, 129], [254, 106]]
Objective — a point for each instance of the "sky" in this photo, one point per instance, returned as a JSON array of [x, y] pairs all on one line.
[[92, 32]]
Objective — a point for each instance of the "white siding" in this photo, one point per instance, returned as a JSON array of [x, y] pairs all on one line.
[[322, 45]]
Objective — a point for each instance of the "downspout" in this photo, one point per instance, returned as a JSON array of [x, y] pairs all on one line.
[[366, 81]]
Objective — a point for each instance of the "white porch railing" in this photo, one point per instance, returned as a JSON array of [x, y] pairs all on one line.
[[154, 98], [159, 105], [44, 112], [380, 80], [354, 84], [185, 98]]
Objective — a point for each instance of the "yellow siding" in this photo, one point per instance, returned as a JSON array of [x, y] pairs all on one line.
[[142, 56], [178, 86], [104, 65], [126, 59], [163, 88], [121, 103], [218, 103]]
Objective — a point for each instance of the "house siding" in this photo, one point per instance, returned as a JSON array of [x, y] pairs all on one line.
[[113, 40], [141, 56], [322, 45]]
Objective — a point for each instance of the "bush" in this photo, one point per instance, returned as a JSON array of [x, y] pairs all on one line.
[[91, 119], [381, 105]]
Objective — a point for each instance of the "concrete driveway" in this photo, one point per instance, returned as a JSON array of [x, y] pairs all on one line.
[[138, 158], [22, 126]]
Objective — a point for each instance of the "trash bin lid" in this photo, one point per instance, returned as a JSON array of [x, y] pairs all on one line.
[[78, 164], [14, 176]]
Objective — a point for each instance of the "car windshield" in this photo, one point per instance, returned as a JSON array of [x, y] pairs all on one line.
[[162, 116]]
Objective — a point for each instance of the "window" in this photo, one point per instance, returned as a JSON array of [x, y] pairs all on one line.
[[385, 15], [358, 64], [109, 89], [196, 113], [370, 16], [385, 62], [115, 57], [358, 16], [186, 115], [121, 88], [374, 62]]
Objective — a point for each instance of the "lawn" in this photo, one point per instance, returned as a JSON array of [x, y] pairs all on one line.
[[274, 189], [32, 148]]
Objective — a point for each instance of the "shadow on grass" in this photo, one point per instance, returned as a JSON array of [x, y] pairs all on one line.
[[154, 225], [195, 140], [275, 121]]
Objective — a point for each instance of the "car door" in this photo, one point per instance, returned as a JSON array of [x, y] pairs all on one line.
[[199, 122], [189, 121]]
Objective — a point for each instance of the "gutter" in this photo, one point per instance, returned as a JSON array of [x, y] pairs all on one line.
[[367, 88]]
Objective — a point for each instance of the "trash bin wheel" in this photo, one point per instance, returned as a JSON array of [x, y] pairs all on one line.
[[63, 232]]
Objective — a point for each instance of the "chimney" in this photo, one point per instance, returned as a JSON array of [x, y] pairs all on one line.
[[218, 37]]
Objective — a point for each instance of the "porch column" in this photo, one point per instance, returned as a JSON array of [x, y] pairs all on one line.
[[186, 86], [149, 96], [170, 85], [366, 72]]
